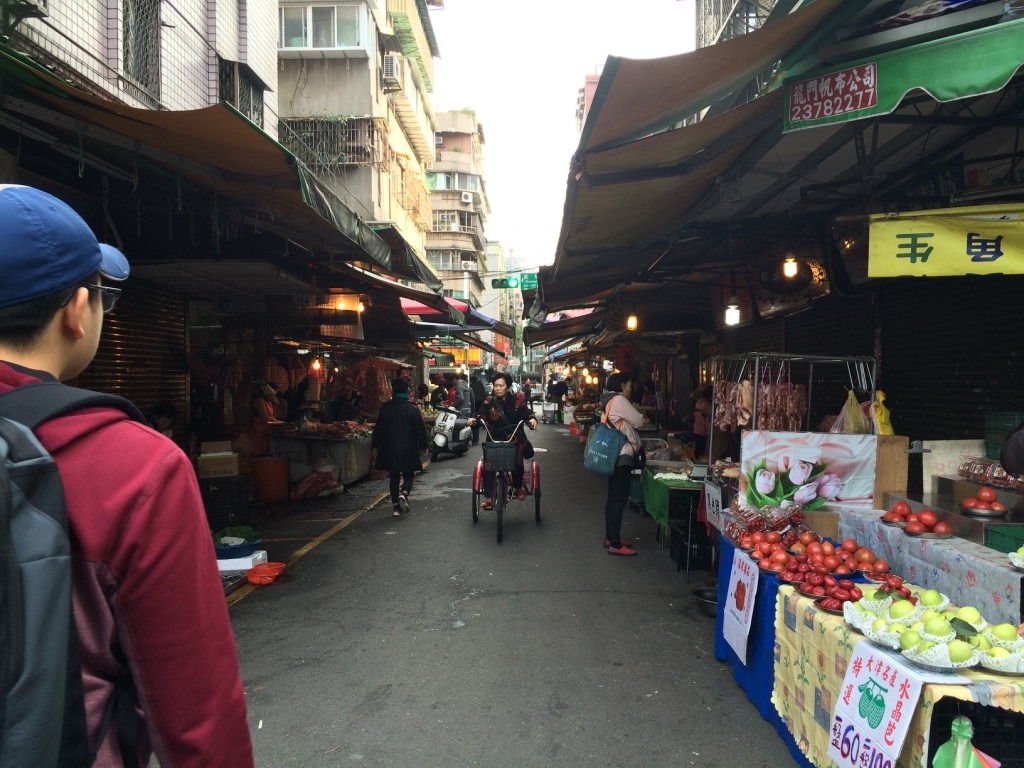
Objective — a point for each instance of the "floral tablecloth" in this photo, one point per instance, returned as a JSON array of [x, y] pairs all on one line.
[[969, 573], [812, 649]]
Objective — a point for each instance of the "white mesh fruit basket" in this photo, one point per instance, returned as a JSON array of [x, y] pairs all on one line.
[[1010, 645], [886, 639], [938, 656], [907, 619], [1016, 560], [1008, 665]]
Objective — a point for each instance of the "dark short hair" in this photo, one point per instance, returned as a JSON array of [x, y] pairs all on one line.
[[400, 386], [507, 377], [617, 381], [22, 324]]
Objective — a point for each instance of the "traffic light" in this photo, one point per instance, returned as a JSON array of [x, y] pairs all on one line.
[[505, 282]]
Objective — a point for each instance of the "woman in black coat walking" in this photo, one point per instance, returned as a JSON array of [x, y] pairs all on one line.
[[399, 438]]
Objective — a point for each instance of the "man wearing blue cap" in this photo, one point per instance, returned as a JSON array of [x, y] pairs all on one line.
[[147, 596]]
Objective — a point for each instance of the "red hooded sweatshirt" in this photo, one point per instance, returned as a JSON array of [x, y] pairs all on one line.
[[146, 583]]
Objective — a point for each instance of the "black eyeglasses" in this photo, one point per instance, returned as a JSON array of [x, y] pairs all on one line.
[[108, 295]]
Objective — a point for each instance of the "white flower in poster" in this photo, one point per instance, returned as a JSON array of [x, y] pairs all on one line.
[[764, 481], [800, 472]]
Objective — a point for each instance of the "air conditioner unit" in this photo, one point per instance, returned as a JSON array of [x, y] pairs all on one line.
[[392, 72], [466, 265], [467, 197]]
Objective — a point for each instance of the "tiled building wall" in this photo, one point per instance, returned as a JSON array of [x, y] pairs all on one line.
[[258, 49], [86, 38]]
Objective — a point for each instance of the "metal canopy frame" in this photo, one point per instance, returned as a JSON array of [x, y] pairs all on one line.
[[861, 370]]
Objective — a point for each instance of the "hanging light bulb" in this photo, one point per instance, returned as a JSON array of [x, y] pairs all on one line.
[[586, 372], [790, 267], [631, 322], [732, 311], [316, 364], [362, 307]]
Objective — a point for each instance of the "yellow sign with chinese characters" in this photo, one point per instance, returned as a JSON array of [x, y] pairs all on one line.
[[983, 240]]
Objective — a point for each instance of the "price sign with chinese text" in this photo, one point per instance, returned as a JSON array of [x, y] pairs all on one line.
[[713, 503], [738, 611], [873, 710]]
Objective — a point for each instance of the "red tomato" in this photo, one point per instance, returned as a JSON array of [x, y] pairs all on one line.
[[969, 502], [986, 494], [915, 527], [901, 508], [850, 545], [995, 506], [942, 527], [928, 517]]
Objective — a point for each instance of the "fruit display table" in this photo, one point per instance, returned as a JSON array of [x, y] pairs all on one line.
[[969, 573], [812, 649]]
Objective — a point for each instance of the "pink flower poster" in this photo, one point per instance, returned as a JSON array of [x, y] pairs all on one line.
[[810, 469]]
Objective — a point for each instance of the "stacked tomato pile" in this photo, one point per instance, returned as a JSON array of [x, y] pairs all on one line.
[[922, 521], [986, 499], [821, 569]]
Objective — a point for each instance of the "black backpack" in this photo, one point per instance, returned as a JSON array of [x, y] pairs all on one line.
[[42, 706]]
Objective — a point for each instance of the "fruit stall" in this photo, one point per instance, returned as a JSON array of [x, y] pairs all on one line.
[[931, 613]]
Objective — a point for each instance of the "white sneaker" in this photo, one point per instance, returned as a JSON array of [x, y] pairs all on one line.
[[403, 503]]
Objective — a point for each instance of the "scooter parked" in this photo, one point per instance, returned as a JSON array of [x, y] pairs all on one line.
[[451, 434]]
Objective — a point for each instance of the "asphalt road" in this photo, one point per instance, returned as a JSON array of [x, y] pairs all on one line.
[[421, 641]]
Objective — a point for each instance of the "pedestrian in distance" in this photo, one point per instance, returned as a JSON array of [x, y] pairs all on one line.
[[479, 394], [620, 413], [152, 627], [399, 440], [503, 411], [701, 420]]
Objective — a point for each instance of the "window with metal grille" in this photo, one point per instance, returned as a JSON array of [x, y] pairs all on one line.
[[241, 89], [140, 33], [330, 142]]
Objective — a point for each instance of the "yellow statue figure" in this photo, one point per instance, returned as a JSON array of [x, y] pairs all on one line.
[[881, 415]]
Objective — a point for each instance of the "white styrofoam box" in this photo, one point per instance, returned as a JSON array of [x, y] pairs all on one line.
[[243, 563]]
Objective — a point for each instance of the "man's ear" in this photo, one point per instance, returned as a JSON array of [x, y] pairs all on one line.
[[73, 312]]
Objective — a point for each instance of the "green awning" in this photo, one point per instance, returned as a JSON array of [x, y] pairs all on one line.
[[969, 64]]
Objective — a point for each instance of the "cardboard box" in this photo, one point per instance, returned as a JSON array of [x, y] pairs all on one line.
[[824, 522], [242, 563], [217, 460]]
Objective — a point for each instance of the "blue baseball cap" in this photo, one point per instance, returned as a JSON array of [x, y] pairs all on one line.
[[47, 246]]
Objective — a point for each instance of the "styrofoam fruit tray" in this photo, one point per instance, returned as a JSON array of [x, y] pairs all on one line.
[[1008, 665], [938, 656]]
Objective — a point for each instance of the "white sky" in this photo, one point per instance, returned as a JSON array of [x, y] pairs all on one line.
[[519, 66]]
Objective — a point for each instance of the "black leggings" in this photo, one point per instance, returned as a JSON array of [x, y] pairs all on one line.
[[618, 495], [406, 483]]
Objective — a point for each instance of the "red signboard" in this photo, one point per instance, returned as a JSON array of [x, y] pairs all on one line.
[[834, 93]]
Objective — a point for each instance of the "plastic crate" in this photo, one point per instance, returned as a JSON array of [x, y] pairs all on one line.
[[1004, 538], [997, 732], [226, 500], [998, 427], [701, 548], [501, 456]]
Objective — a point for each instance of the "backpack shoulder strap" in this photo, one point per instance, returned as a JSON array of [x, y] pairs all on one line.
[[34, 403]]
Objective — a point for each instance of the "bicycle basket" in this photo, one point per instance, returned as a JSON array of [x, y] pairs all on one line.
[[500, 456]]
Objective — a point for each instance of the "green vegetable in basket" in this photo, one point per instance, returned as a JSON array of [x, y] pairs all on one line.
[[235, 532]]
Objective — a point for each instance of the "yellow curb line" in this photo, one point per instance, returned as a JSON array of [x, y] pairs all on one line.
[[246, 588]]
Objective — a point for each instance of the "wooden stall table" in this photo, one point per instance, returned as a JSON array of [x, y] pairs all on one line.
[[812, 649]]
